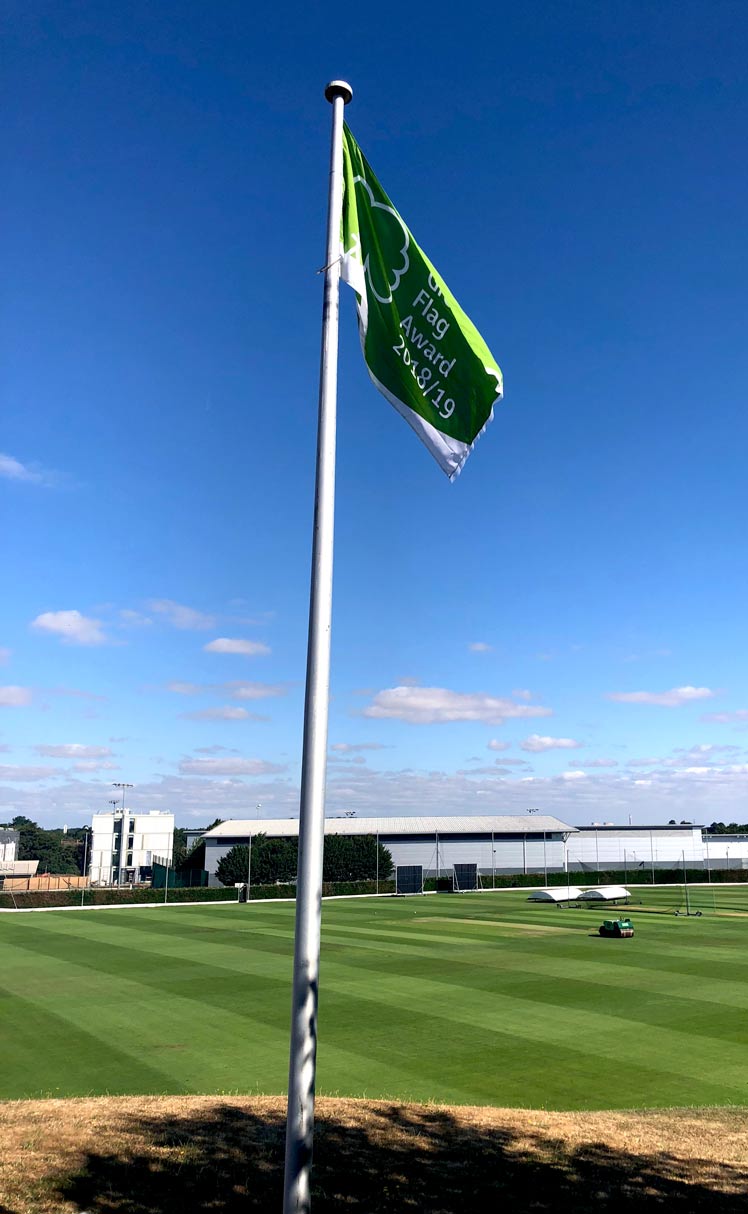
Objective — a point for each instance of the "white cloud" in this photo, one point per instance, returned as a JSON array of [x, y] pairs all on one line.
[[95, 765], [186, 618], [134, 619], [235, 645], [537, 743], [72, 750], [228, 767], [573, 775], [226, 713], [15, 697], [480, 647], [255, 691], [24, 774], [346, 748], [429, 705], [238, 689], [665, 794], [72, 627], [75, 692], [598, 762], [495, 744], [726, 718], [12, 469], [674, 698]]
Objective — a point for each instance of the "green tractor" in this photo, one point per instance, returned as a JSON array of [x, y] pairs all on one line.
[[617, 928]]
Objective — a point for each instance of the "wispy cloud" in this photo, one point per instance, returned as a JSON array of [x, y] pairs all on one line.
[[179, 616], [23, 774], [236, 646], [134, 619], [226, 713], [77, 694], [72, 627], [726, 718], [12, 469], [89, 765], [228, 767], [72, 750], [495, 744], [238, 689], [675, 698], [4, 656], [480, 647], [597, 762], [537, 743], [432, 705], [15, 697], [349, 748]]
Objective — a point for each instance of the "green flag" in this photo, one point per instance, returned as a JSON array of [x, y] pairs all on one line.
[[421, 350]]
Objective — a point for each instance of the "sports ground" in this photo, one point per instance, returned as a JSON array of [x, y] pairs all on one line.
[[478, 999]]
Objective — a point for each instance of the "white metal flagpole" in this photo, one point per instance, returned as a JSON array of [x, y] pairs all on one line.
[[303, 1054]]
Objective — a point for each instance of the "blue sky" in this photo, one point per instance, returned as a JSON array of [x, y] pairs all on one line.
[[567, 620]]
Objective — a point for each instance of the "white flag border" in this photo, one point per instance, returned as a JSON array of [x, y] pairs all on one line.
[[450, 453]]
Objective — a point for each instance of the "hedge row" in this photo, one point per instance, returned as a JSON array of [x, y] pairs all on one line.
[[616, 876], [117, 897]]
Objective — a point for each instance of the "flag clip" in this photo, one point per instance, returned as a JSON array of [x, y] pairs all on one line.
[[323, 269]]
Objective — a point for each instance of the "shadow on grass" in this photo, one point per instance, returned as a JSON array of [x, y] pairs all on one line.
[[391, 1158]]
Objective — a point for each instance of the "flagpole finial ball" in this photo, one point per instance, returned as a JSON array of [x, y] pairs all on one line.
[[338, 88]]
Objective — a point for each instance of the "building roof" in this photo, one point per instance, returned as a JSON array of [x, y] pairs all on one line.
[[537, 824], [666, 826]]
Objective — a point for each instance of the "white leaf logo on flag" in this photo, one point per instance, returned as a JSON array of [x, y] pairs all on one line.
[[388, 236]]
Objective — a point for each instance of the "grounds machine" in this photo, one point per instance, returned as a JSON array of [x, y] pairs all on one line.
[[616, 928]]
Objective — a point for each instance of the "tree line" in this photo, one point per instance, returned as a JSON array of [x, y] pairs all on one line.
[[346, 858], [57, 851]]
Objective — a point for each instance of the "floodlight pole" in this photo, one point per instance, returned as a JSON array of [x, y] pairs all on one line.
[[85, 860], [303, 1051], [685, 883]]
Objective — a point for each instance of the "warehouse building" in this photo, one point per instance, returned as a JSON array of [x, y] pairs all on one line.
[[499, 844], [603, 846]]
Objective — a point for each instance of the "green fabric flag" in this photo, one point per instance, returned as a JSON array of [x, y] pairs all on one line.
[[421, 350]]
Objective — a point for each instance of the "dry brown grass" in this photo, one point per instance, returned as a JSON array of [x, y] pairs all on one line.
[[151, 1155]]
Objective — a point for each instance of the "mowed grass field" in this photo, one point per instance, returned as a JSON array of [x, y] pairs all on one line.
[[473, 999]]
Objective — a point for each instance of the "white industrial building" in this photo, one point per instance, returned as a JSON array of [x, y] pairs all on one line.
[[497, 844], [501, 844], [604, 846], [125, 845]]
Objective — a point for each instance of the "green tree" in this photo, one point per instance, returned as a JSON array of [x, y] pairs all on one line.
[[347, 858], [272, 860], [178, 847], [354, 858], [50, 847]]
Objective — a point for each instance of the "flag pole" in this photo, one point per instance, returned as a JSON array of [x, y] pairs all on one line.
[[303, 1051]]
